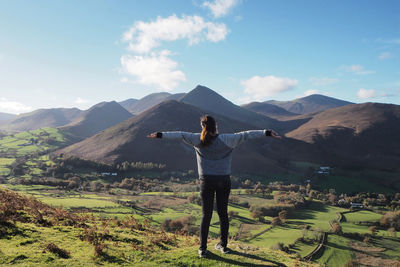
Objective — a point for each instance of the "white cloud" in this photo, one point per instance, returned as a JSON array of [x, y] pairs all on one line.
[[143, 37], [323, 80], [385, 55], [124, 80], [261, 87], [365, 93], [358, 69], [220, 8], [311, 92], [13, 107], [154, 69], [80, 100]]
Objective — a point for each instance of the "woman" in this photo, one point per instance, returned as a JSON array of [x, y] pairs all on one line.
[[214, 157]]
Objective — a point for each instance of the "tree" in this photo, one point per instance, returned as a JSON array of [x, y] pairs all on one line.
[[392, 232], [283, 215], [276, 221], [336, 228], [257, 215], [372, 229]]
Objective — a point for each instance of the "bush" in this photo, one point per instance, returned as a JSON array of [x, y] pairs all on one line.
[[184, 224], [257, 215], [280, 246], [372, 229], [351, 263], [232, 214], [336, 228], [276, 221], [392, 232], [391, 219], [194, 199], [283, 215]]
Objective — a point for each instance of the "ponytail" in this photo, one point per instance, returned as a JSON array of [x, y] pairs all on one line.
[[209, 130]]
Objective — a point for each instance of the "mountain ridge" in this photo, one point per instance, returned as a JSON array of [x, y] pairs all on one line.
[[309, 104]]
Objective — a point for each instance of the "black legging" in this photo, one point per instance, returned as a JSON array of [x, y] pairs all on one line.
[[221, 185]]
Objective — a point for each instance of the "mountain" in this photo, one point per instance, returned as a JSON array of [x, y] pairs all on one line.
[[176, 97], [127, 141], [99, 117], [364, 133], [53, 117], [210, 101], [148, 102], [6, 117], [308, 104], [269, 110], [128, 104]]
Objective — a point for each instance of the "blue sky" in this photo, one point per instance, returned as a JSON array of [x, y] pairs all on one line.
[[78, 53]]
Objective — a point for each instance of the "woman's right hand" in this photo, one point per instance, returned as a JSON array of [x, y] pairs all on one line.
[[152, 135]]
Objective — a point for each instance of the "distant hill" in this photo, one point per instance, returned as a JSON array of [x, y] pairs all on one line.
[[128, 104], [40, 118], [269, 110], [367, 133], [176, 97], [6, 117], [127, 141], [308, 104], [99, 117]]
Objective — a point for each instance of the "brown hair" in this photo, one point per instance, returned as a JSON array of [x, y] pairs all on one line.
[[209, 128]]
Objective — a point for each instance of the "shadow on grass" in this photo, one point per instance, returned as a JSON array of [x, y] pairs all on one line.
[[110, 258], [213, 256], [237, 206], [245, 220], [7, 230], [309, 212]]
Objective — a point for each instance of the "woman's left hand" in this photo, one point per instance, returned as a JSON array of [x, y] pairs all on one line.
[[275, 135]]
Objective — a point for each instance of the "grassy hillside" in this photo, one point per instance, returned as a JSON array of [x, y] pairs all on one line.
[[26, 150], [359, 135], [131, 234], [39, 235]]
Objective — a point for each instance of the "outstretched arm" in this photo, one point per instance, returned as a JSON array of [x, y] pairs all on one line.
[[233, 140], [189, 138]]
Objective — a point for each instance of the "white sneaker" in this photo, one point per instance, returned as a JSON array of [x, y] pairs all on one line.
[[202, 253], [219, 247]]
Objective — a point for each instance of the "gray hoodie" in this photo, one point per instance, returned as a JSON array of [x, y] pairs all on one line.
[[216, 157]]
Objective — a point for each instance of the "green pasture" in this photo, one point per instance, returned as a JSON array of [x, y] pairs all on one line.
[[361, 216], [315, 215], [279, 234], [336, 251], [346, 184], [6, 161], [77, 202]]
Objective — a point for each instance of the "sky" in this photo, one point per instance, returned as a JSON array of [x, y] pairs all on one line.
[[79, 53]]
